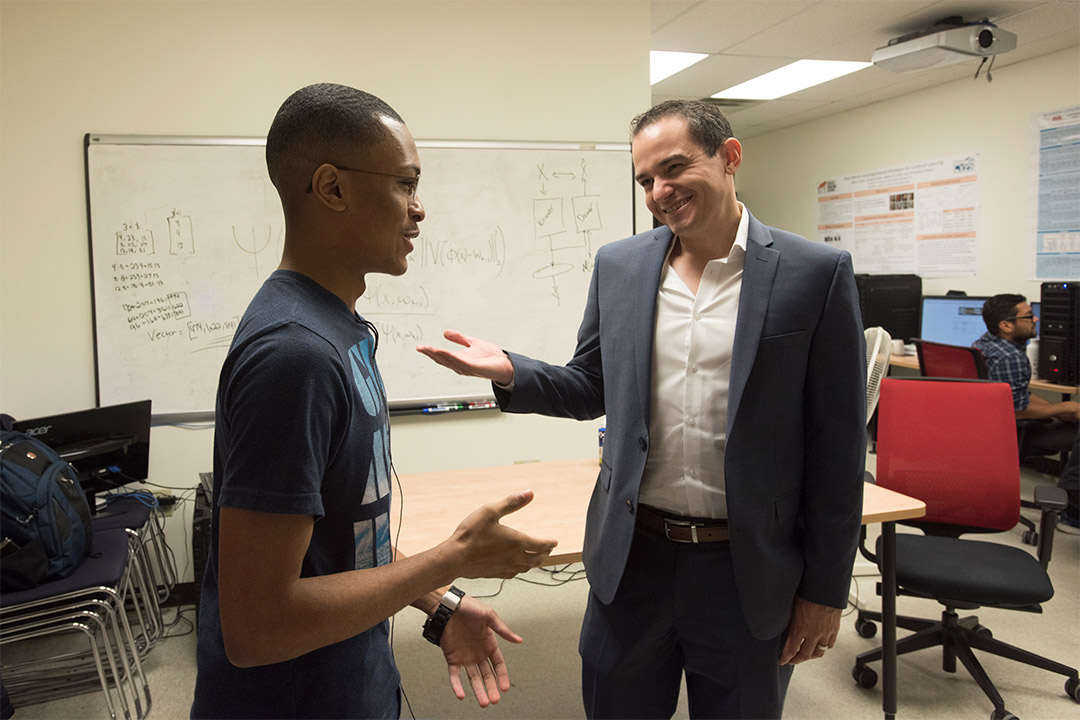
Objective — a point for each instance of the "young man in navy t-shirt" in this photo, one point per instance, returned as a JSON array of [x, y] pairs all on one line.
[[302, 578]]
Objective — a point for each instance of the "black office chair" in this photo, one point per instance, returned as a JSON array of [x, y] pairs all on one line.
[[952, 444]]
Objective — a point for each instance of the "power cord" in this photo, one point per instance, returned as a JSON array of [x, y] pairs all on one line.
[[989, 77]]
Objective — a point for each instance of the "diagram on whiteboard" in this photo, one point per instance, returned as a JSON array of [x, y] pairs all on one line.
[[569, 245]]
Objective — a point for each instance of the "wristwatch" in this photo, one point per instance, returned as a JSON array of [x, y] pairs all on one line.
[[436, 623]]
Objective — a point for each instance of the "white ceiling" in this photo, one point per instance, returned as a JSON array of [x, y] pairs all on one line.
[[746, 38]]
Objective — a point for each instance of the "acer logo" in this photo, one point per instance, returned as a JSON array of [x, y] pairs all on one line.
[[32, 432]]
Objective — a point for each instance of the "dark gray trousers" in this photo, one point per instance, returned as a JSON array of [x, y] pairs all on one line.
[[677, 611]]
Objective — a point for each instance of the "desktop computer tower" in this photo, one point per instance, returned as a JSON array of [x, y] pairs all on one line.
[[200, 533], [891, 302], [1059, 333]]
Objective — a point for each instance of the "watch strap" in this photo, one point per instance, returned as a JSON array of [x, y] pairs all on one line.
[[436, 622]]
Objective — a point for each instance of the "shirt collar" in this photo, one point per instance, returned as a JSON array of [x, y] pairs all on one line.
[[744, 229]]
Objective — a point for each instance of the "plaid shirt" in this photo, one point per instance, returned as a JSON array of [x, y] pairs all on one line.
[[1007, 362]]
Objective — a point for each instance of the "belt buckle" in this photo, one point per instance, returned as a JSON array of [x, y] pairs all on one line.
[[681, 523]]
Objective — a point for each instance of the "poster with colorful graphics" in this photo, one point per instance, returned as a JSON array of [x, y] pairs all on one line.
[[920, 218]]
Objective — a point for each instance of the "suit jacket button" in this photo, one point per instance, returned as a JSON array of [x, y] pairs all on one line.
[[643, 444], [630, 506]]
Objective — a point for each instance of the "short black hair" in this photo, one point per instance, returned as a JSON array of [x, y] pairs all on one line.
[[317, 121], [708, 126], [998, 308]]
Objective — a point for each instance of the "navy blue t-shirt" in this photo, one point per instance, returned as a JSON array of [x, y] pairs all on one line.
[[301, 427]]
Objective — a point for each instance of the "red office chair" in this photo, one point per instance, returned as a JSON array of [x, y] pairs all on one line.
[[952, 444], [957, 361], [949, 361]]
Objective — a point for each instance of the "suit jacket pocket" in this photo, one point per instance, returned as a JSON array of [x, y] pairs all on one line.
[[771, 342], [604, 479], [787, 505]]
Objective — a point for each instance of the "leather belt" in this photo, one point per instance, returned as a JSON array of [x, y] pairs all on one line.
[[682, 530]]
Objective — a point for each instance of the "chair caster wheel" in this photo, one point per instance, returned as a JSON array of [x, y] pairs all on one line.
[[1072, 688], [1002, 715], [1030, 537], [865, 628], [866, 677], [983, 631]]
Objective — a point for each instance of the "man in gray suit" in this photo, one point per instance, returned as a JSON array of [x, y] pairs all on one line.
[[728, 357]]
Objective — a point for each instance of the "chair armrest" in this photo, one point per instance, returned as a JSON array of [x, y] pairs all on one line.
[[1049, 497], [1052, 500], [863, 550]]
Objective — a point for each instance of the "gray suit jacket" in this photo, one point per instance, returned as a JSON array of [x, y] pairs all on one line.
[[796, 415]]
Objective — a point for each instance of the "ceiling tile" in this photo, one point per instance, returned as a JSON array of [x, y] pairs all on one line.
[[769, 112], [844, 87], [664, 11], [825, 25], [714, 26]]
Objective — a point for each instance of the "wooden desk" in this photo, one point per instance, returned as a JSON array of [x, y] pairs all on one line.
[[432, 504], [911, 362]]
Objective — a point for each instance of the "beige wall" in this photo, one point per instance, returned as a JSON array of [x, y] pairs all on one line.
[[557, 70], [781, 170]]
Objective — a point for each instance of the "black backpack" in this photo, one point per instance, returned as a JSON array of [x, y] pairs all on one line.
[[45, 525]]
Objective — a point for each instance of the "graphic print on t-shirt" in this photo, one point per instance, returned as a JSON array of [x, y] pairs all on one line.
[[372, 535]]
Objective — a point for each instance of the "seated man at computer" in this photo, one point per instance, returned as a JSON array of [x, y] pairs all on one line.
[[1010, 323]]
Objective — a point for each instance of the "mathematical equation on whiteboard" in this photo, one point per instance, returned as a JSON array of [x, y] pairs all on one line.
[[160, 291]]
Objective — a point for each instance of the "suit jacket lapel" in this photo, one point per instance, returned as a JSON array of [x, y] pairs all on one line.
[[643, 320], [759, 271]]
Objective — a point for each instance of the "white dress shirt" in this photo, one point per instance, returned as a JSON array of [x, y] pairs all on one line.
[[691, 367]]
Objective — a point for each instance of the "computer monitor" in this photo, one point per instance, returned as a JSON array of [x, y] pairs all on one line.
[[952, 319], [891, 302], [108, 446], [1036, 308]]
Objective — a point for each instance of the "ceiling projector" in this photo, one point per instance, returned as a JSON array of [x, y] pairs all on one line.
[[947, 42]]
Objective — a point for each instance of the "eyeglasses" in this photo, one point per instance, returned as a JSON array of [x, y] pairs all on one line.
[[1020, 317], [411, 182]]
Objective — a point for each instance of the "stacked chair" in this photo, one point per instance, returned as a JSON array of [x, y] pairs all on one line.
[[138, 514], [92, 604], [90, 631]]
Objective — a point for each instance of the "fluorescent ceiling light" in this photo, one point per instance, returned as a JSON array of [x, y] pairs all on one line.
[[663, 64], [791, 78]]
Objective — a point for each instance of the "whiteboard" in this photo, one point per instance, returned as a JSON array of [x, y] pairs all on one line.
[[184, 230]]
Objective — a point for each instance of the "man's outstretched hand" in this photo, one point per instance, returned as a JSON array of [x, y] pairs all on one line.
[[477, 358]]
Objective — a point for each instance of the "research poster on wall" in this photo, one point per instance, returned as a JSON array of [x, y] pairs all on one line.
[[920, 218], [1057, 235]]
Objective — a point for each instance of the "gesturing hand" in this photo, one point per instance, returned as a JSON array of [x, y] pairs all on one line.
[[479, 358], [490, 549], [469, 643]]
